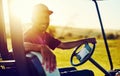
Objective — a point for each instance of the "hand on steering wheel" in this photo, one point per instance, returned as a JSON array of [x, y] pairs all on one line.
[[83, 54]]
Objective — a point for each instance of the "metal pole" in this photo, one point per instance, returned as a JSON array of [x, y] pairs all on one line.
[[3, 41], [104, 35], [17, 43], [100, 67]]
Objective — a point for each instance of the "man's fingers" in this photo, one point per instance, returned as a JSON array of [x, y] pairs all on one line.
[[43, 58], [91, 40], [47, 64], [49, 59], [53, 64]]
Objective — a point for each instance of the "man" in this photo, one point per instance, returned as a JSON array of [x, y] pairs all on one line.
[[37, 39]]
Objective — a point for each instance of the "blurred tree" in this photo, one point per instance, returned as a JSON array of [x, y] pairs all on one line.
[[111, 36]]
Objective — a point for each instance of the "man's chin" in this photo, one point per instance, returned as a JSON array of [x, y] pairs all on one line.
[[43, 30]]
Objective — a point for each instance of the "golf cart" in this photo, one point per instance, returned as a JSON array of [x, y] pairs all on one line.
[[17, 63]]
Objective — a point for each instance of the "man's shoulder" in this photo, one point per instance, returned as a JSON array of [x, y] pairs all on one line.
[[29, 32]]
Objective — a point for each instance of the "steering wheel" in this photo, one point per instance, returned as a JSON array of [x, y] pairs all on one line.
[[82, 52]]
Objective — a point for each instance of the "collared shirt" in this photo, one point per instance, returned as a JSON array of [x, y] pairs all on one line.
[[45, 39]]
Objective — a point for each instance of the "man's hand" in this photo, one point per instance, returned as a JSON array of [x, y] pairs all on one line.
[[49, 59], [91, 40]]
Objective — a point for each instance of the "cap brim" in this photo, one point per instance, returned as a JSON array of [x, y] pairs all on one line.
[[50, 12]]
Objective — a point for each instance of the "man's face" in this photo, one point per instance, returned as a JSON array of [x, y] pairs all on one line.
[[41, 21]]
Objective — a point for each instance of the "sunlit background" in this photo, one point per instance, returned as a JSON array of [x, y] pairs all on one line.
[[74, 13], [80, 14]]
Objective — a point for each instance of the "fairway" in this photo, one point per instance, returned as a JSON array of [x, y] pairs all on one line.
[[63, 56]]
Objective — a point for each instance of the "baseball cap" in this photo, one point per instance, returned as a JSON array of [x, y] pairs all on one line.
[[41, 8]]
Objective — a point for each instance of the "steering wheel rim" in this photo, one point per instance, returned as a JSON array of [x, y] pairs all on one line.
[[85, 58]]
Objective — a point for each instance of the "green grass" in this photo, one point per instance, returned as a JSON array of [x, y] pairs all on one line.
[[63, 56]]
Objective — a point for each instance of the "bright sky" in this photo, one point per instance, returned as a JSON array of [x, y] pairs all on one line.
[[75, 13]]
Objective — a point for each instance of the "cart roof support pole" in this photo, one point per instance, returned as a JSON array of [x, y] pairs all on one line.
[[17, 43], [104, 35], [3, 42]]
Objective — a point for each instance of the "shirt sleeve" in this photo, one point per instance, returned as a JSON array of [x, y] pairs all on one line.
[[52, 42]]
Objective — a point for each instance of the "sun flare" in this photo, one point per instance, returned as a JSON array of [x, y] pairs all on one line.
[[21, 8]]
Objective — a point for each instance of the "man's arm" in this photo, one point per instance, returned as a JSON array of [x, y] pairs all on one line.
[[72, 44], [48, 57], [32, 47]]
